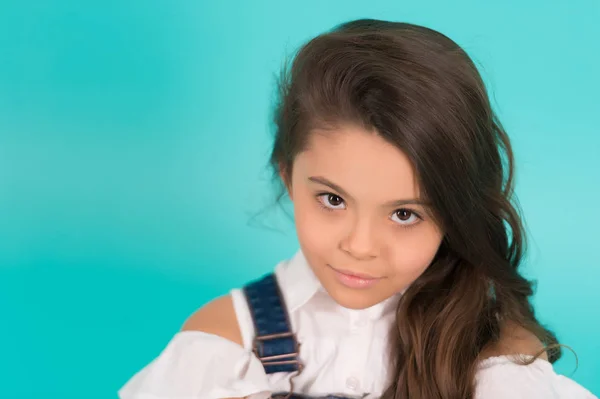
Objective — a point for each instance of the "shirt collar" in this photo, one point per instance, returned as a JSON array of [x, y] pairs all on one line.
[[298, 282]]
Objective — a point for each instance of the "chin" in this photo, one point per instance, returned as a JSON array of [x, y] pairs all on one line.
[[354, 299]]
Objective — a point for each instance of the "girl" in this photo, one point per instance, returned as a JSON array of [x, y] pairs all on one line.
[[406, 284]]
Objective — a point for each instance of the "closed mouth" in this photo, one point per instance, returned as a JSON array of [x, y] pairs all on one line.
[[355, 274]]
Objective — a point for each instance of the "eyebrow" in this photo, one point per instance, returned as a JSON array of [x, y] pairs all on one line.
[[344, 193]]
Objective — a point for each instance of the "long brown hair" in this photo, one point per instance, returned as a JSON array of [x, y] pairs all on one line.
[[421, 92]]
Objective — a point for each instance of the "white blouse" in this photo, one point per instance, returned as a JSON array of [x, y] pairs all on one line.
[[344, 352]]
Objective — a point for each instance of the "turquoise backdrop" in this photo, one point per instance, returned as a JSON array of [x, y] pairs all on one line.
[[134, 137]]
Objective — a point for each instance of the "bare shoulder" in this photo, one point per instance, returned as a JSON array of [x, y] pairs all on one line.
[[216, 317], [516, 340]]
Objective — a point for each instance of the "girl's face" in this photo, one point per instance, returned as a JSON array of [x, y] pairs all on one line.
[[359, 219]]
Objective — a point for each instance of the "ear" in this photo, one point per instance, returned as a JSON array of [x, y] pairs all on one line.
[[285, 180]]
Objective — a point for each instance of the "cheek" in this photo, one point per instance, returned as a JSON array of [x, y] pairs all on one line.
[[415, 255], [314, 233]]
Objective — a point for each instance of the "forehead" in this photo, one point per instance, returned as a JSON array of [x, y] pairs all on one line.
[[360, 161]]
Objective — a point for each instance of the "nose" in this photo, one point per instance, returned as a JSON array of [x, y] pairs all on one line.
[[360, 242]]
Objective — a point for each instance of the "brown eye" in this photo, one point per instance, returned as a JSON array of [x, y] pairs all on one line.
[[405, 217], [403, 214], [331, 201], [334, 200]]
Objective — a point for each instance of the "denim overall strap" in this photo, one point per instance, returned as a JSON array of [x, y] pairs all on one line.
[[274, 343]]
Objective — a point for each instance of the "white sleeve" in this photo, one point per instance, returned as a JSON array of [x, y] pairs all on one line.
[[196, 365], [502, 378]]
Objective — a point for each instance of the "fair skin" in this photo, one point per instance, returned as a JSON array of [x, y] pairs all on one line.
[[356, 217], [358, 212]]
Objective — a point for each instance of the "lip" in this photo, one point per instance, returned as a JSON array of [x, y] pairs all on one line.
[[355, 280]]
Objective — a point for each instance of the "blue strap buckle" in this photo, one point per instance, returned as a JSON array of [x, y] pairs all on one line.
[[291, 358]]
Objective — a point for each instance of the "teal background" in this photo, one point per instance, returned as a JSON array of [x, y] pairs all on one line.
[[134, 138]]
